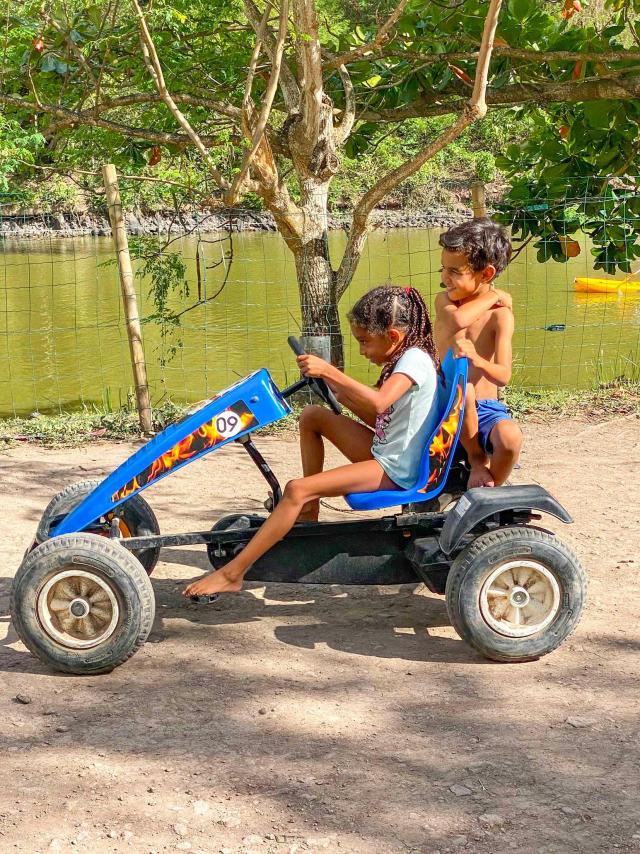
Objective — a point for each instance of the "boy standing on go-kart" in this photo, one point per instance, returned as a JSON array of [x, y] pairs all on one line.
[[476, 319]]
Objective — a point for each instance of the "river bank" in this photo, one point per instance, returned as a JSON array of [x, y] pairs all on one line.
[[35, 226]]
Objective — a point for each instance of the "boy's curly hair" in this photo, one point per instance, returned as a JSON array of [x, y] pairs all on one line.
[[389, 306], [482, 241]]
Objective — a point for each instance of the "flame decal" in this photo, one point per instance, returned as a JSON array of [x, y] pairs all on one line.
[[195, 444], [443, 441]]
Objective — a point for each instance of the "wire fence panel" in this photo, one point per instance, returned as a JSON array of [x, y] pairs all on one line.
[[63, 342]]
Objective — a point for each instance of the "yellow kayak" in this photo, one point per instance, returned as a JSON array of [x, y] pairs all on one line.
[[588, 285]]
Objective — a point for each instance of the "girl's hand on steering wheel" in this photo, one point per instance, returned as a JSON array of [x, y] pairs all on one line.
[[313, 366]]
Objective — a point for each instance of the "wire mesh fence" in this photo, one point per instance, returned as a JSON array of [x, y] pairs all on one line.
[[63, 341]]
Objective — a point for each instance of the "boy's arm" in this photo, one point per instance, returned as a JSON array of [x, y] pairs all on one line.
[[461, 316], [498, 371]]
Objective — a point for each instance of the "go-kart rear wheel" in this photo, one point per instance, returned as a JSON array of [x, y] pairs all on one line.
[[82, 603], [515, 594], [135, 518], [240, 521]]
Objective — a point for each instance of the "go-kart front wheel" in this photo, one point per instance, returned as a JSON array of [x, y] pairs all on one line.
[[135, 518], [516, 593], [82, 603]]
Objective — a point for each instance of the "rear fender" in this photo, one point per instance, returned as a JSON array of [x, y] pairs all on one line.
[[479, 504], [246, 406]]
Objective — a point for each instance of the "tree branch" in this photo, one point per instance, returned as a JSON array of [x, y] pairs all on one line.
[[360, 225], [257, 137], [190, 100], [484, 58], [375, 44], [566, 91], [72, 117], [344, 127], [309, 70], [288, 84], [69, 173], [155, 70], [515, 53], [475, 108]]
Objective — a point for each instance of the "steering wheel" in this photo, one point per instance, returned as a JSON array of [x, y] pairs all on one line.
[[316, 384]]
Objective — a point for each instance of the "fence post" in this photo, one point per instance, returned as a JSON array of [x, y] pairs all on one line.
[[129, 299], [478, 199]]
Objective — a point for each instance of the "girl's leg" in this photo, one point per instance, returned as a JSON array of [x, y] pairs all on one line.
[[350, 437], [365, 476]]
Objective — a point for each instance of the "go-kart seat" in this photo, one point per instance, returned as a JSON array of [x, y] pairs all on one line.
[[439, 451]]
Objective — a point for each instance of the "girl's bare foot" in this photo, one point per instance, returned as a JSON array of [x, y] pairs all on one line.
[[215, 582], [480, 476]]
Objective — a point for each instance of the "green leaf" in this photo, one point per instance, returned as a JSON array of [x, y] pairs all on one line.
[[49, 62], [521, 9], [613, 30], [599, 114], [513, 152]]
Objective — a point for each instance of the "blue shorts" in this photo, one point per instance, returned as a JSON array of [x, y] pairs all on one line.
[[490, 413]]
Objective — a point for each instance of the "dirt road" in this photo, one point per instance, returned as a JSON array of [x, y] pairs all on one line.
[[298, 718]]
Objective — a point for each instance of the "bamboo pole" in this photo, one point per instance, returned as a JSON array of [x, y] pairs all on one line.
[[478, 200], [129, 298]]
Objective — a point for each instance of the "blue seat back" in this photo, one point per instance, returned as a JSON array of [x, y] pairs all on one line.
[[438, 453], [452, 385]]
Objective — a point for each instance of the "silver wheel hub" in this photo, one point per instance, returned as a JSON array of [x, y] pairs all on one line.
[[78, 609], [520, 598]]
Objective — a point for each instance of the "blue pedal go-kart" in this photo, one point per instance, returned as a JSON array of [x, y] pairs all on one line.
[[82, 600]]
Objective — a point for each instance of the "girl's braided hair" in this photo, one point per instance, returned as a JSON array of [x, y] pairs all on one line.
[[390, 306]]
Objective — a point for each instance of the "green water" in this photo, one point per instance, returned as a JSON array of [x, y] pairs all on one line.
[[63, 340]]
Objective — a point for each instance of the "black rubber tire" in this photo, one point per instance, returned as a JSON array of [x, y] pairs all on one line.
[[98, 556], [473, 565], [136, 514]]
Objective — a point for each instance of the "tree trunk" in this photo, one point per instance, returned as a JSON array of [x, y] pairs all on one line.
[[316, 277]]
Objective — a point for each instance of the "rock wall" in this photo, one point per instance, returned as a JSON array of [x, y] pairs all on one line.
[[34, 226]]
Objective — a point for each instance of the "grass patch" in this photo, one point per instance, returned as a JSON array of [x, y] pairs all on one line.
[[71, 429], [618, 397]]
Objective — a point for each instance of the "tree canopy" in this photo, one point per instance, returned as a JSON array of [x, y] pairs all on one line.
[[80, 79]]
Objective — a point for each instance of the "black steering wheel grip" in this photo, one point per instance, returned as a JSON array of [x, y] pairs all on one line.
[[318, 385]]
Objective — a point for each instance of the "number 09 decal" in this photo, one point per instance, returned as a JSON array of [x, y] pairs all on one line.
[[228, 423]]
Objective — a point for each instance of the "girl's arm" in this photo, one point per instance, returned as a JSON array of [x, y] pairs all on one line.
[[365, 414], [361, 399]]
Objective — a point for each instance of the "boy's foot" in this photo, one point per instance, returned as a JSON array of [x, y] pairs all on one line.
[[480, 476], [215, 582], [307, 517], [310, 512]]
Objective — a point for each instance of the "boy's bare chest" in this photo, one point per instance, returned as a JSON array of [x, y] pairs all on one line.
[[482, 333]]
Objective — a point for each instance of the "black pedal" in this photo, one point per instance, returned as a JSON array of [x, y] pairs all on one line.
[[208, 599]]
